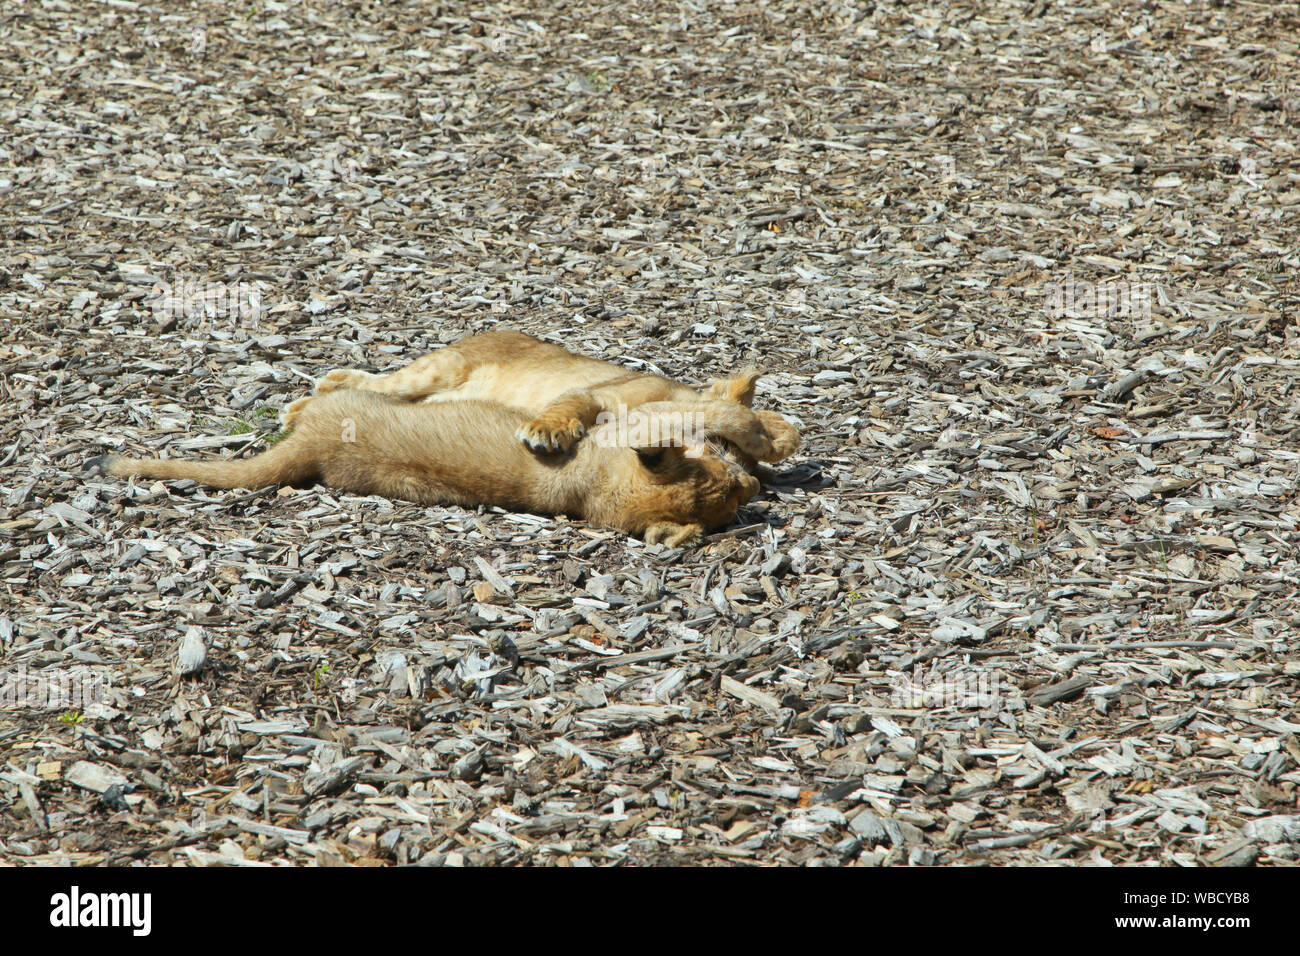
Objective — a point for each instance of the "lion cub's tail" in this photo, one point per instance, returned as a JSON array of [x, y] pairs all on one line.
[[284, 464]]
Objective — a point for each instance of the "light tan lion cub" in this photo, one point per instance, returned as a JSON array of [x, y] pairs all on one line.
[[562, 394], [466, 453]]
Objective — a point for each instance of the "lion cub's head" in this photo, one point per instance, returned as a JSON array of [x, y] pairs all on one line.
[[678, 485], [674, 469], [670, 494]]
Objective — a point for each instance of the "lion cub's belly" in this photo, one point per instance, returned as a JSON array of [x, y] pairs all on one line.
[[528, 390]]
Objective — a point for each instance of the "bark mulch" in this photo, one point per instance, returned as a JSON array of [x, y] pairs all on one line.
[[1024, 272]]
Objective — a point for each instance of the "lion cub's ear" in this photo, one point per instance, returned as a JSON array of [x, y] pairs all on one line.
[[739, 388], [658, 457]]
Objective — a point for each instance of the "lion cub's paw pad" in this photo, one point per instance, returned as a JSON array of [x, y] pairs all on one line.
[[340, 378], [540, 436]]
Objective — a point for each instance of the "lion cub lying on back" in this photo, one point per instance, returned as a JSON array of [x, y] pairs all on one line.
[[466, 453], [562, 394]]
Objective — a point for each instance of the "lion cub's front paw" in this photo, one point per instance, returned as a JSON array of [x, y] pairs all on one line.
[[674, 535], [543, 435], [784, 436], [290, 413], [342, 378]]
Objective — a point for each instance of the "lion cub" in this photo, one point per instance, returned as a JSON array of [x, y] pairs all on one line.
[[465, 453], [562, 394]]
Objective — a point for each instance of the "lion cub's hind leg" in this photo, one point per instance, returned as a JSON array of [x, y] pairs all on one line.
[[404, 385], [435, 372], [429, 374]]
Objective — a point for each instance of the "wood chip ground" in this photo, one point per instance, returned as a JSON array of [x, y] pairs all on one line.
[[1024, 272]]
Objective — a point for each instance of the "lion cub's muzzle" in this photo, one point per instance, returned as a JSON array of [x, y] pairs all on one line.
[[731, 486]]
